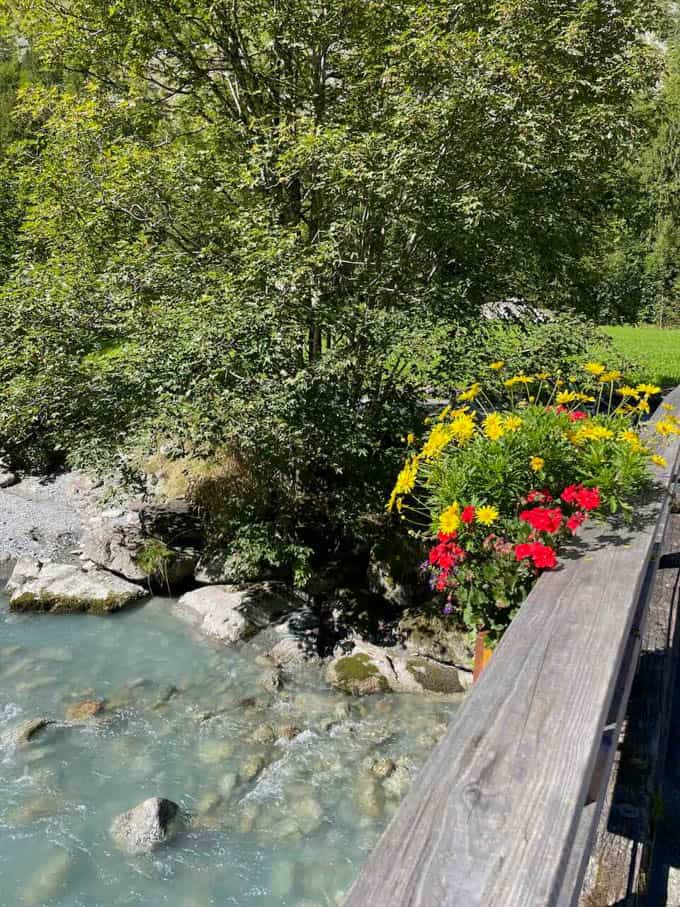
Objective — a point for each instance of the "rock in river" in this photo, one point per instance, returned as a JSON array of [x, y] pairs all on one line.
[[26, 731], [61, 588], [147, 825], [229, 613], [372, 669]]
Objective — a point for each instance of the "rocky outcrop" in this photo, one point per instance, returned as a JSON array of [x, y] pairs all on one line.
[[144, 543], [372, 669], [177, 523], [230, 613], [433, 635], [113, 540], [147, 825], [65, 588]]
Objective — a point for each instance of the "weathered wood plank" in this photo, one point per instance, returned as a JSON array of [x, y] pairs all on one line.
[[625, 835], [493, 815]]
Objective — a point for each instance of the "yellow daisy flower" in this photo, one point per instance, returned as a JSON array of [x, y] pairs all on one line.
[[497, 366], [486, 515], [647, 389], [608, 377], [493, 427], [472, 392], [658, 460], [594, 368], [537, 463], [512, 423], [406, 481], [628, 392], [449, 520]]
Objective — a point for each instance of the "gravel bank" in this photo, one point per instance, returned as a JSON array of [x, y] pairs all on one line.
[[39, 517]]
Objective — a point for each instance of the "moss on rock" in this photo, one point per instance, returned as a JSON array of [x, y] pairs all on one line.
[[432, 676], [357, 674]]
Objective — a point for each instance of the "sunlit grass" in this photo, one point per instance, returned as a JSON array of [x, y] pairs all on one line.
[[657, 350]]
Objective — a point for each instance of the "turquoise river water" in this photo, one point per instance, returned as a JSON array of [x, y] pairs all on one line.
[[268, 821]]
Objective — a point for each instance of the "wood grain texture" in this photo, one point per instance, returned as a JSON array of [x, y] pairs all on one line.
[[492, 817]]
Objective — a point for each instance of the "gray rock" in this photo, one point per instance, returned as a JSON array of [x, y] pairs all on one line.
[[117, 540], [64, 588], [8, 478], [177, 523], [295, 639], [113, 539], [27, 730], [230, 614], [147, 825], [433, 635], [372, 669]]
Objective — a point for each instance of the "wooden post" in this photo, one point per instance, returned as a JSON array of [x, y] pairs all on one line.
[[482, 654]]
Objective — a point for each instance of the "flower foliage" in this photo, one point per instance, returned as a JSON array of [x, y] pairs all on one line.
[[501, 479]]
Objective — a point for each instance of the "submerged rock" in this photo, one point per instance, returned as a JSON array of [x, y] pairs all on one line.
[[263, 733], [47, 880], [251, 767], [63, 588], [27, 730], [82, 711], [370, 798], [272, 680], [147, 825], [382, 768], [230, 614]]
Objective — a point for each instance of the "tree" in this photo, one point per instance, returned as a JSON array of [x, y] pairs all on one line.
[[237, 211]]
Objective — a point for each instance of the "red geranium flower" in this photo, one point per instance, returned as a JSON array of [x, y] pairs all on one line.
[[588, 498], [543, 519], [575, 521], [468, 515], [577, 415], [542, 556], [585, 498]]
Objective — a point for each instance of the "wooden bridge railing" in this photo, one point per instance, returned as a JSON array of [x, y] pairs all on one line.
[[505, 810]]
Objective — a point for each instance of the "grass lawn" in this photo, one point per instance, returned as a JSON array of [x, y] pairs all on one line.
[[657, 350]]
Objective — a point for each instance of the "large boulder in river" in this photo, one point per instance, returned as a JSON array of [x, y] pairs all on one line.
[[62, 588], [371, 669], [230, 613], [432, 634], [147, 825]]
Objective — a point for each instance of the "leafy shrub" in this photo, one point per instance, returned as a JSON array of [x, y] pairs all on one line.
[[450, 357], [502, 484]]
